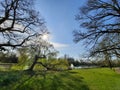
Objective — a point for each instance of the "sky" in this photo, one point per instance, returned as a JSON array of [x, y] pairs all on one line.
[[60, 21]]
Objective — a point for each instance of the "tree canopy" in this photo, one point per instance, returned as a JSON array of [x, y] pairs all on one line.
[[100, 20], [18, 22]]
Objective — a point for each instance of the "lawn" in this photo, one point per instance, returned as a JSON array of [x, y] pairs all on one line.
[[81, 79]]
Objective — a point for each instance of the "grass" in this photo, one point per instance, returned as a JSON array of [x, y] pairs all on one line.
[[83, 79], [100, 79]]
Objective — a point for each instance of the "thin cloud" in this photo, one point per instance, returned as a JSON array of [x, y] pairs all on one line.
[[59, 45]]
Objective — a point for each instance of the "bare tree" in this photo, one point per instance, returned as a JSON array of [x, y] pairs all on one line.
[[101, 51], [100, 18], [18, 22]]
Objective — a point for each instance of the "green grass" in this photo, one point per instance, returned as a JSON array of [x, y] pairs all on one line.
[[83, 79], [100, 79]]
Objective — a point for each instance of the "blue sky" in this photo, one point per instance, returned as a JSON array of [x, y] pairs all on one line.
[[60, 20]]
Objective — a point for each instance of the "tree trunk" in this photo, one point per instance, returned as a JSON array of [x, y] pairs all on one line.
[[110, 64], [32, 66], [108, 59]]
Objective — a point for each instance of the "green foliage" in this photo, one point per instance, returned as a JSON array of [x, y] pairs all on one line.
[[55, 64], [23, 59]]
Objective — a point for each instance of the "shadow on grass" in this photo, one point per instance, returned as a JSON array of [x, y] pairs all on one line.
[[63, 81], [68, 81], [42, 81], [8, 78]]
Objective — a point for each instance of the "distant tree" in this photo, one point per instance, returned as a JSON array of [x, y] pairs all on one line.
[[18, 22], [8, 57], [70, 60], [100, 18]]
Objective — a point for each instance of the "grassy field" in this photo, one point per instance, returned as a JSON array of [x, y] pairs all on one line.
[[82, 79]]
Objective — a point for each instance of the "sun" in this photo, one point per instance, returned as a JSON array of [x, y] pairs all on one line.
[[45, 36]]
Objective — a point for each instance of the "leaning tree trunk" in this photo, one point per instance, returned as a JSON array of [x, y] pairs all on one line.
[[33, 64]]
